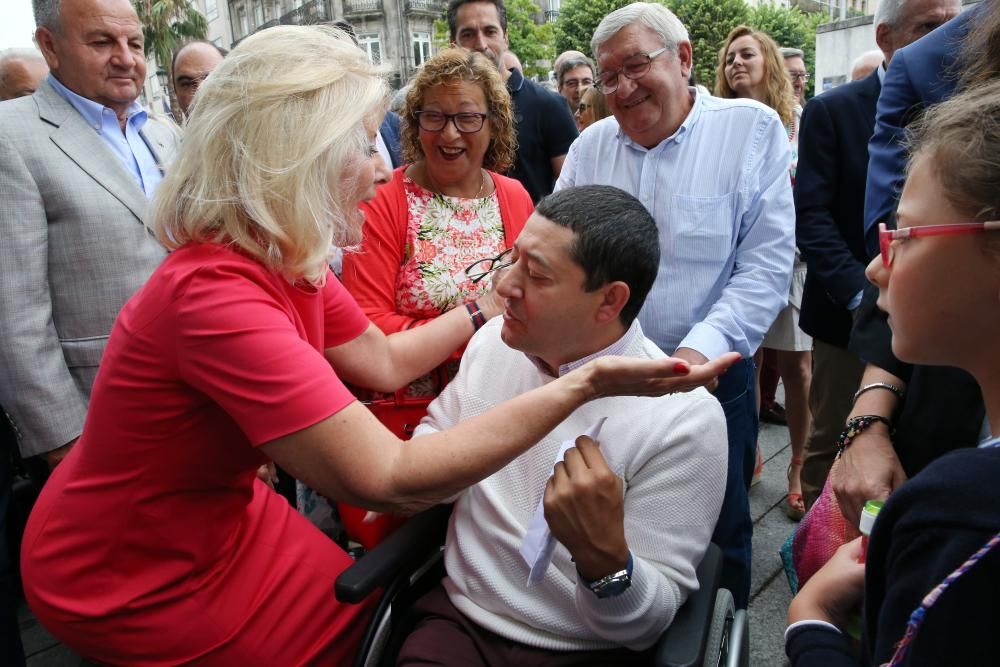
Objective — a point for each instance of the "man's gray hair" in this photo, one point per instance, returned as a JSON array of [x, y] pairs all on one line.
[[888, 12], [572, 63], [788, 52], [654, 16], [47, 13]]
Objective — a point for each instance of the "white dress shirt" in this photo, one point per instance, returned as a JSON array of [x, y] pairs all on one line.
[[719, 191]]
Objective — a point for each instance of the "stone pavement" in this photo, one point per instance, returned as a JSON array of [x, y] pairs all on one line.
[[769, 593]]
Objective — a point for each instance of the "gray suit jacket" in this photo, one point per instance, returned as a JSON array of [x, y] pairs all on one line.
[[73, 249]]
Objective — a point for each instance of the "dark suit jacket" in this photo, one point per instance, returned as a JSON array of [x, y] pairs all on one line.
[[830, 203], [390, 135], [919, 75], [943, 407]]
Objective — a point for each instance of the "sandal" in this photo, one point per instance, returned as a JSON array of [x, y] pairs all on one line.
[[795, 507]]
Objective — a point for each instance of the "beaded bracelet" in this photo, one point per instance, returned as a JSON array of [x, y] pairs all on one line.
[[879, 385], [476, 315], [855, 425]]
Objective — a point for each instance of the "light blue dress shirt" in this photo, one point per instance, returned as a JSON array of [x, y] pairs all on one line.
[[719, 191], [129, 146]]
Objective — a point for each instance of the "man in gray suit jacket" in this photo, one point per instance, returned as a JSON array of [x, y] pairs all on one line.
[[79, 161]]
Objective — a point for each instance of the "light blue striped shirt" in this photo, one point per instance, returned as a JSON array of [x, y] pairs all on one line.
[[721, 196], [129, 146]]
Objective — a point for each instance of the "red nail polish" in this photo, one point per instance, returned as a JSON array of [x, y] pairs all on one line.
[[681, 368]]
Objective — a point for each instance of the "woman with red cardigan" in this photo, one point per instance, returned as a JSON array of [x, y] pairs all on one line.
[[445, 210]]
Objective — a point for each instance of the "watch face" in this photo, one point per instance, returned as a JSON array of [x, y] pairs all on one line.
[[612, 586]]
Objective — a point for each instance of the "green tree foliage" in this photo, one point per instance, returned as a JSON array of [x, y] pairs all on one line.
[[579, 18], [790, 27], [167, 24], [708, 23], [530, 41]]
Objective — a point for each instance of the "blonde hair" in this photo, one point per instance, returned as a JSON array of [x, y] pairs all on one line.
[[778, 92], [458, 64], [268, 148], [598, 103]]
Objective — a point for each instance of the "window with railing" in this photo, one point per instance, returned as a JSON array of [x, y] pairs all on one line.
[[372, 44], [212, 9], [421, 48]]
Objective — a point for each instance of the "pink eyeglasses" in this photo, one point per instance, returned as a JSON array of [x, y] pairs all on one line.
[[887, 236]]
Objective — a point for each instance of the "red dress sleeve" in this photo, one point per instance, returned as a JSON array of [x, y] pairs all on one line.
[[515, 206], [252, 344], [343, 319]]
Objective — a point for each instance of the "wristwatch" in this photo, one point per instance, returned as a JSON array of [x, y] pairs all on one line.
[[615, 583]]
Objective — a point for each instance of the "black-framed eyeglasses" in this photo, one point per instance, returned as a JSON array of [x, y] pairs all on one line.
[[576, 83], [484, 267], [798, 76], [634, 67], [467, 122]]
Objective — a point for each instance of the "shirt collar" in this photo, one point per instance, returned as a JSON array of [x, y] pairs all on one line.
[[881, 72], [92, 111], [697, 100], [620, 346], [516, 80]]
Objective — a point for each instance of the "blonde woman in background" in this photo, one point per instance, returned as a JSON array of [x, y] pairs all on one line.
[[751, 66], [592, 108]]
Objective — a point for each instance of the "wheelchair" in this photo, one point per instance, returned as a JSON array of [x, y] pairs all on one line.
[[706, 631]]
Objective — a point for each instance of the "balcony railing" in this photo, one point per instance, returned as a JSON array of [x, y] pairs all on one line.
[[308, 14], [363, 6], [435, 7]]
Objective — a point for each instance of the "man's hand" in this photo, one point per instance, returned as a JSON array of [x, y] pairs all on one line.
[[585, 510], [55, 456], [869, 470], [834, 592]]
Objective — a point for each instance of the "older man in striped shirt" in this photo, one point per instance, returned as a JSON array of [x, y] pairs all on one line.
[[714, 174]]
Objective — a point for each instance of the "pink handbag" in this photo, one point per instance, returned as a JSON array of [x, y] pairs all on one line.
[[821, 532]]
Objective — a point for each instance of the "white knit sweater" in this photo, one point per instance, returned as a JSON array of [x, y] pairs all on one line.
[[673, 453]]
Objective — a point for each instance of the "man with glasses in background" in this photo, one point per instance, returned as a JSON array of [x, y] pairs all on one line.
[[572, 76], [192, 64], [714, 174], [632, 509], [795, 66]]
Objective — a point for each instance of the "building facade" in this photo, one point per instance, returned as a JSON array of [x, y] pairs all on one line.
[[395, 33]]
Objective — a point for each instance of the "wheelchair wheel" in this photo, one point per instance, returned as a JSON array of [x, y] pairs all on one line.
[[717, 645]]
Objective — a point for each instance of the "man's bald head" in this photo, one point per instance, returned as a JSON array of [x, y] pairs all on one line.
[[866, 63], [21, 72], [192, 63]]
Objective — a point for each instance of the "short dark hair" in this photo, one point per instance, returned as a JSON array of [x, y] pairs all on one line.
[[573, 63], [453, 14], [616, 239], [177, 52]]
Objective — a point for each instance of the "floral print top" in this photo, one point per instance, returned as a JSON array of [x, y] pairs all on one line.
[[444, 235]]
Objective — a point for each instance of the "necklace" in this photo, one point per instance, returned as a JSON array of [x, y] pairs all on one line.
[[482, 185], [438, 190]]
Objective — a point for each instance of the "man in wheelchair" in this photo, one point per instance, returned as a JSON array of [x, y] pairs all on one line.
[[633, 512]]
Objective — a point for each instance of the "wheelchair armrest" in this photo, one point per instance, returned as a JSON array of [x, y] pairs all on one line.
[[683, 643], [405, 548]]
